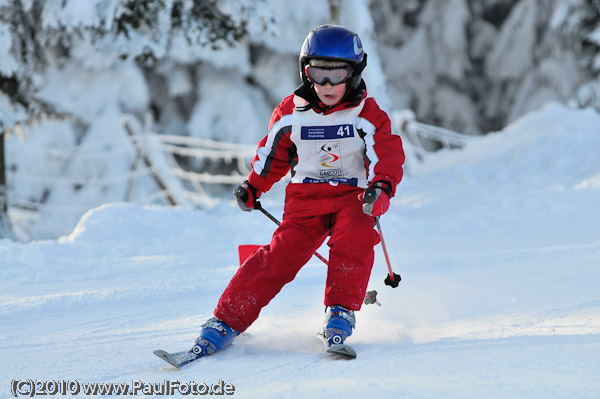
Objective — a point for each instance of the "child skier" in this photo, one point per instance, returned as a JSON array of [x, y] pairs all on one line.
[[337, 142]]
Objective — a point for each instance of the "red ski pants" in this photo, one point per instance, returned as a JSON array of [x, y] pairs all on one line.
[[269, 268]]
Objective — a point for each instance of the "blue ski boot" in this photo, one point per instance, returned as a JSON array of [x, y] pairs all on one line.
[[215, 335], [338, 324]]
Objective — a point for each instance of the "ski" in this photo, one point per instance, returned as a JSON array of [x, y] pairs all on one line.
[[177, 359], [340, 351], [180, 359]]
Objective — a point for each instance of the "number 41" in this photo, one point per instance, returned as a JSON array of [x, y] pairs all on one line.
[[344, 130]]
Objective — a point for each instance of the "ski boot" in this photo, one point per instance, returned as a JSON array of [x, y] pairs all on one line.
[[215, 335], [338, 325]]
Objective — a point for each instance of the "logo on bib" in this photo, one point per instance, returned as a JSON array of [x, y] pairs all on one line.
[[329, 163]]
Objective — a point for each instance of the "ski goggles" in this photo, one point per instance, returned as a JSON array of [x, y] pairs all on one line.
[[335, 76]]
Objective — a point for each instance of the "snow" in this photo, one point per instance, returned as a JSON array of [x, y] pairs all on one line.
[[8, 65], [58, 14], [352, 16], [10, 113], [514, 50], [70, 88], [210, 119], [292, 21], [498, 246]]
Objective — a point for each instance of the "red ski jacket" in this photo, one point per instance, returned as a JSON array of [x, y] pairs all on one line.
[[348, 146]]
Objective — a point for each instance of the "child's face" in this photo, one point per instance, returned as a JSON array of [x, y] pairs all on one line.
[[329, 94]]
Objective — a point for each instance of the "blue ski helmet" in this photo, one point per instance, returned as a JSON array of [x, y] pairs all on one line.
[[334, 43]]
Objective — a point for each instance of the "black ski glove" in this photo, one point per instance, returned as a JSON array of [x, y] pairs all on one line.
[[246, 195]]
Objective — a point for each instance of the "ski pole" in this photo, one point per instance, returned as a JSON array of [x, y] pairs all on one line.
[[392, 278], [371, 296], [240, 192], [258, 206]]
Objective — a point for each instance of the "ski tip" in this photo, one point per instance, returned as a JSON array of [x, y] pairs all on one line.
[[340, 351], [343, 351], [166, 357]]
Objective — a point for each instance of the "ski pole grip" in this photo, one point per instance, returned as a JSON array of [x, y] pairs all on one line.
[[241, 193], [370, 195]]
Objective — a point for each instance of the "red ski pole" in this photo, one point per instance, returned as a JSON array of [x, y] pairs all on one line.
[[392, 278]]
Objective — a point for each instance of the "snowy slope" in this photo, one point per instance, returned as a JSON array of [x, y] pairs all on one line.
[[498, 246]]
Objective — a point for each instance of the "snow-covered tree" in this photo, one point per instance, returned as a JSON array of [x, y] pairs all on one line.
[[580, 19], [70, 70], [98, 34], [473, 66], [4, 223]]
